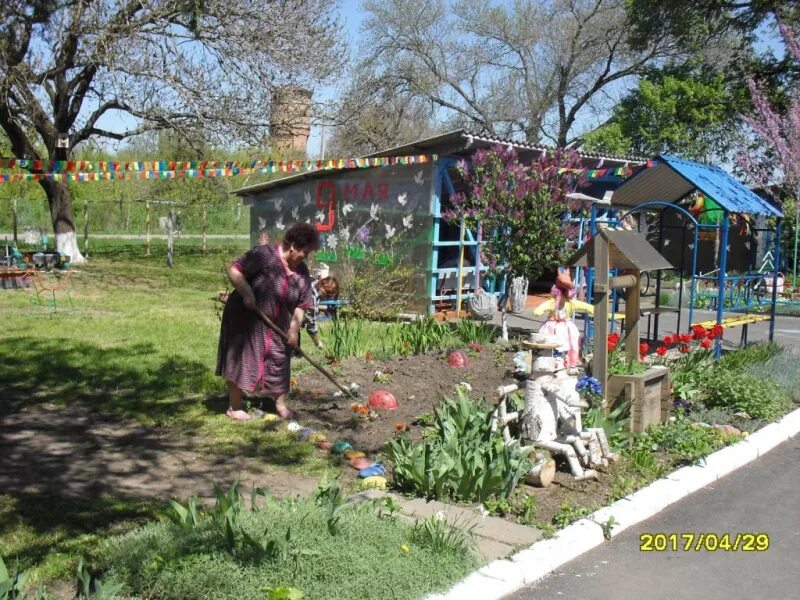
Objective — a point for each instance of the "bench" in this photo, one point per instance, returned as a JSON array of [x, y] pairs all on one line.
[[735, 321]]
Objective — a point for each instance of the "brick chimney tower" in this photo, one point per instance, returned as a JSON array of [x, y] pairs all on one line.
[[290, 119]]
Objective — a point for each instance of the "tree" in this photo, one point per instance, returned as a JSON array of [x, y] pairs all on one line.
[[776, 169], [530, 68], [68, 67], [519, 208], [691, 114], [375, 114]]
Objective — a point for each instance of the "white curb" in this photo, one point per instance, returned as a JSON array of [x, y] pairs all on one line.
[[503, 577]]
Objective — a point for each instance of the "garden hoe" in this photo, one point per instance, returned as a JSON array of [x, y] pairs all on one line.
[[348, 391]]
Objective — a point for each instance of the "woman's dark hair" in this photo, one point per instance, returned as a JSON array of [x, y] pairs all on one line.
[[301, 235]]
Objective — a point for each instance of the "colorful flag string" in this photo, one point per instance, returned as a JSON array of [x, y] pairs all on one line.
[[264, 166]]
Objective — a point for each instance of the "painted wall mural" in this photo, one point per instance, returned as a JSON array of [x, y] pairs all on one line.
[[377, 215]]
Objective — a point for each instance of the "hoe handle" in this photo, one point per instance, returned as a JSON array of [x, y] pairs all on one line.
[[269, 323]]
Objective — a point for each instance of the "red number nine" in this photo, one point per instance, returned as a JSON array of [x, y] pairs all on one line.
[[329, 204]]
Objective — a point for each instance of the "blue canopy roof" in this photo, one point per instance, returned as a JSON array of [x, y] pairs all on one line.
[[671, 179]]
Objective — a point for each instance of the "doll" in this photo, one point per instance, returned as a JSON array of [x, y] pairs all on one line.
[[560, 309]]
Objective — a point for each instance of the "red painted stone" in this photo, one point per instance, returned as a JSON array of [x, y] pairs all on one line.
[[457, 359], [382, 400]]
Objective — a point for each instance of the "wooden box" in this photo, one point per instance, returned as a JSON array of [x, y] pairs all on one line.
[[648, 393]]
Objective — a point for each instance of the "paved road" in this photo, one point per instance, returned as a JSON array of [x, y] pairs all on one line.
[[761, 497], [787, 329]]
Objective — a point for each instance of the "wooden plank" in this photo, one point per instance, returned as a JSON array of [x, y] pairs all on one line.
[[600, 357]]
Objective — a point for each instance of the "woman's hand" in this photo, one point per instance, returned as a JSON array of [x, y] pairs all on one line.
[[292, 338], [249, 300]]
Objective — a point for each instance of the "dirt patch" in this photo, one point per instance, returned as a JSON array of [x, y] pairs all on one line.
[[417, 382]]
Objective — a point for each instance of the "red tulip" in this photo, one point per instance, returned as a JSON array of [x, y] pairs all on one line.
[[668, 340], [613, 338], [685, 348], [706, 343], [644, 348], [661, 350], [685, 338]]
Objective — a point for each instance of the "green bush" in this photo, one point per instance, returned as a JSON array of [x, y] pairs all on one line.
[[781, 369], [462, 458], [744, 392], [468, 331], [687, 442], [751, 355]]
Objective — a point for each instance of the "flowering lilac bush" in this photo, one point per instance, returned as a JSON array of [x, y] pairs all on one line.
[[519, 207]]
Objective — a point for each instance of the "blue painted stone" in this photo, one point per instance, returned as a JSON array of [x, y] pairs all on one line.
[[372, 470], [304, 433]]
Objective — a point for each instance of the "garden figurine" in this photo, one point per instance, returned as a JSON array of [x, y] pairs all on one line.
[[322, 288], [276, 280], [560, 309]]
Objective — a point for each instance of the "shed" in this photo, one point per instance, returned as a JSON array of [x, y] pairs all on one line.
[[392, 215]]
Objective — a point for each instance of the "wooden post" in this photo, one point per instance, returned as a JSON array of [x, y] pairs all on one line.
[[86, 229], [14, 220], [632, 321], [203, 246], [170, 227], [460, 278], [600, 298], [147, 228]]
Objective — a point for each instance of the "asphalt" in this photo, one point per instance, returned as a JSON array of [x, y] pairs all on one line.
[[762, 497]]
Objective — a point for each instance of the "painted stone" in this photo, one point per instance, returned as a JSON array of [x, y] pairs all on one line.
[[324, 445], [350, 454], [341, 446], [372, 470], [382, 400], [293, 427], [374, 482], [457, 359], [360, 463], [305, 433], [317, 437]]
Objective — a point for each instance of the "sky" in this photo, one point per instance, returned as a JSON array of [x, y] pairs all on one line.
[[352, 17]]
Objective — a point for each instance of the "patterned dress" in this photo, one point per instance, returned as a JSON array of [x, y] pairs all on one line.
[[250, 354], [560, 325]]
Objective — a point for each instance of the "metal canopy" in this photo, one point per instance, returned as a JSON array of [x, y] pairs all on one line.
[[626, 250], [672, 178]]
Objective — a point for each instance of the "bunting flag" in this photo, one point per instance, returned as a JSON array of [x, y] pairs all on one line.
[[252, 166], [595, 173]]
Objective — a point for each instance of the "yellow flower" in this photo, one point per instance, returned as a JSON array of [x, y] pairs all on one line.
[[405, 548]]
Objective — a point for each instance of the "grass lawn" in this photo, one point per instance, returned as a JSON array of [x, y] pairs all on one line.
[[141, 343]]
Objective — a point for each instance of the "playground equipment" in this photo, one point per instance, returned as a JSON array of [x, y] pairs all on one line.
[[676, 185]]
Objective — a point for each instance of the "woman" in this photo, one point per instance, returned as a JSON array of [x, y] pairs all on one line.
[[276, 280], [560, 309]]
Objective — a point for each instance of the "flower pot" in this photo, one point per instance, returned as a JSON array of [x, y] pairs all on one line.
[[648, 394]]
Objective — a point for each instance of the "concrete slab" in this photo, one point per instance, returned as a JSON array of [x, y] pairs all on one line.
[[485, 526]]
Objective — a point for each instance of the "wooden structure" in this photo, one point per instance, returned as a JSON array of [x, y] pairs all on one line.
[[629, 254]]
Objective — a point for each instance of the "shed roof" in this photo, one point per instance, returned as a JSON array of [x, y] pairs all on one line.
[[458, 142], [626, 250], [671, 178]]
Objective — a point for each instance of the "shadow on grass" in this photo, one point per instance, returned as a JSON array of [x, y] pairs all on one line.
[[60, 408], [34, 527], [132, 380]]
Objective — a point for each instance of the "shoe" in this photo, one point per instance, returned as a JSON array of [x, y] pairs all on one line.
[[237, 415]]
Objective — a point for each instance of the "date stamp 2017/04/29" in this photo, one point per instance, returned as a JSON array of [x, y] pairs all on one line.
[[698, 542]]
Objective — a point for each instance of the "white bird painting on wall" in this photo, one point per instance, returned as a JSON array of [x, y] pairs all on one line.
[[402, 199], [262, 223], [279, 224], [390, 231], [418, 179], [408, 221], [296, 213]]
